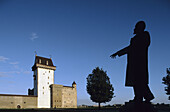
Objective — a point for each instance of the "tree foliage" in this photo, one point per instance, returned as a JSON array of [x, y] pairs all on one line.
[[99, 87], [166, 81]]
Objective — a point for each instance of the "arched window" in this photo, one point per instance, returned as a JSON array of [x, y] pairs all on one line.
[[18, 106]]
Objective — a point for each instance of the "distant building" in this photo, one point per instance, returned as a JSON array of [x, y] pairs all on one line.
[[45, 93]]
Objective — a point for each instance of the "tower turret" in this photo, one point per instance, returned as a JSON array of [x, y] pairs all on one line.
[[74, 84]]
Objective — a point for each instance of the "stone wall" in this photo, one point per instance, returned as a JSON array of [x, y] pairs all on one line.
[[69, 97], [63, 96], [56, 96], [17, 101]]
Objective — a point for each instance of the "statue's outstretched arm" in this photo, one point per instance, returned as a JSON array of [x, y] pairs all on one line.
[[120, 52], [123, 51]]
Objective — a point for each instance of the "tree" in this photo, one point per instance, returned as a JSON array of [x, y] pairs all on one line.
[[99, 87], [166, 81]]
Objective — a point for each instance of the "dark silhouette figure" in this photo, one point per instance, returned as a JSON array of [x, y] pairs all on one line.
[[137, 63]]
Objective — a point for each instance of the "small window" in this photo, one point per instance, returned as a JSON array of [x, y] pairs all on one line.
[[48, 83], [39, 60], [49, 71], [43, 73], [24, 102], [43, 92], [46, 62], [48, 77], [43, 87], [11, 102]]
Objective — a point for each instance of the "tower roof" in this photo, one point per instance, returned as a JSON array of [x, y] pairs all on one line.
[[43, 62], [74, 82]]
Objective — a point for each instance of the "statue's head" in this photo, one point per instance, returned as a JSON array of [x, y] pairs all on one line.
[[139, 27]]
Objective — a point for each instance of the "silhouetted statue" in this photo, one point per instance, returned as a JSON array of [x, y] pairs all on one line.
[[137, 63]]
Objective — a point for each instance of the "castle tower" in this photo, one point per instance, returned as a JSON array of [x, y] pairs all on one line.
[[74, 84], [43, 69]]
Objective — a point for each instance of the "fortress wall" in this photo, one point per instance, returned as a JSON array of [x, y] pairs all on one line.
[[69, 97], [63, 97], [56, 96], [16, 101]]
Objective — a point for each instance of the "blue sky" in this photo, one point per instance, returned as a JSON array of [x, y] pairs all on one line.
[[80, 35]]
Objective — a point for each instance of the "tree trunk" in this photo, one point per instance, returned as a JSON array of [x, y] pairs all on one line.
[[99, 105]]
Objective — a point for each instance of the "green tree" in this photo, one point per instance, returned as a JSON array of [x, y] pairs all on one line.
[[166, 81], [99, 87]]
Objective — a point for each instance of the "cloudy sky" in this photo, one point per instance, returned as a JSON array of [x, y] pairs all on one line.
[[80, 35]]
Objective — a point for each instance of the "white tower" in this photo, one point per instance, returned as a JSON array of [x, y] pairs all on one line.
[[43, 77]]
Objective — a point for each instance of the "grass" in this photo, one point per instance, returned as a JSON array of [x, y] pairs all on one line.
[[62, 110], [93, 109]]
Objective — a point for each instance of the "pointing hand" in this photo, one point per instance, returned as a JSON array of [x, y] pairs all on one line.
[[113, 55]]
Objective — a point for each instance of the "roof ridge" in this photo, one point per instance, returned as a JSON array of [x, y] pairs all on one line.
[[43, 57]]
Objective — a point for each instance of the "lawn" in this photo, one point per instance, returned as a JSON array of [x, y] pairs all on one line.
[[72, 110]]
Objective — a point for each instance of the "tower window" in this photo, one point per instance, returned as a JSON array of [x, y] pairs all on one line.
[[48, 77], [39, 60], [43, 87], [49, 71], [48, 83], [43, 92]]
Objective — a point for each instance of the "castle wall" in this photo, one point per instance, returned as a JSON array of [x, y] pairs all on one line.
[[69, 97], [63, 97], [56, 96], [16, 101]]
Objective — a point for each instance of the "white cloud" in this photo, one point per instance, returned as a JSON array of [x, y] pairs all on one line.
[[34, 36], [3, 74], [27, 72], [9, 73], [15, 68], [14, 63], [2, 58]]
